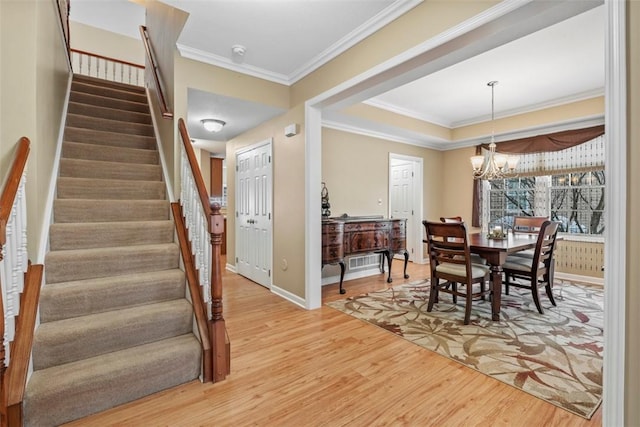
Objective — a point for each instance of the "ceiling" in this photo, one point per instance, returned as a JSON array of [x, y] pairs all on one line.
[[559, 64]]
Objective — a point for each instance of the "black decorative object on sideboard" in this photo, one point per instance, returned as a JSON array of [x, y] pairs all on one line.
[[325, 201]]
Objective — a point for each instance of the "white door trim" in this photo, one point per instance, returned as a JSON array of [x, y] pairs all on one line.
[[416, 220]]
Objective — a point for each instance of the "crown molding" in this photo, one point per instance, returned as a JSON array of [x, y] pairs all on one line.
[[390, 13], [220, 61], [557, 102], [384, 17], [485, 118], [424, 141]]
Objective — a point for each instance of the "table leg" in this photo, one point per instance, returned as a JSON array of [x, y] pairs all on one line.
[[342, 267], [389, 256], [496, 295], [406, 261]]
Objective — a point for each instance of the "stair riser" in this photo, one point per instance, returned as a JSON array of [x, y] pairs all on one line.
[[108, 92], [116, 126], [108, 235], [66, 393], [95, 137], [109, 113], [71, 210], [74, 150], [57, 343], [85, 297], [109, 170], [88, 80], [86, 188], [118, 104], [65, 267]]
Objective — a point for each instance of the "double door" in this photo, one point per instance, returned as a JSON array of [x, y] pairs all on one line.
[[253, 213]]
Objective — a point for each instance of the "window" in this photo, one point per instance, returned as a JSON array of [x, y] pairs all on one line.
[[574, 199]]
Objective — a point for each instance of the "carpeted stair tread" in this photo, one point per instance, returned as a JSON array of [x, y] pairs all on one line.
[[63, 236], [69, 340], [103, 101], [76, 150], [109, 189], [80, 168], [82, 121], [75, 390], [103, 112], [89, 80], [83, 297], [78, 264], [112, 139], [110, 92], [86, 210]]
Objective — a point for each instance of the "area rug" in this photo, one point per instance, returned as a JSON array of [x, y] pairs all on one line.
[[555, 356]]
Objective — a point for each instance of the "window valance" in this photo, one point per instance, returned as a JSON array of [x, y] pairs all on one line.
[[550, 142]]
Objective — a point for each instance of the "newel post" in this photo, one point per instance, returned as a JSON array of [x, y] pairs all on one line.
[[217, 329]]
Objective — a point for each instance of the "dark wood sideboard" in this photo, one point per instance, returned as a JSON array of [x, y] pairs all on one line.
[[343, 237]]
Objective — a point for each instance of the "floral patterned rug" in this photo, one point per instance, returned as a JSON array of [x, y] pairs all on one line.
[[555, 356]]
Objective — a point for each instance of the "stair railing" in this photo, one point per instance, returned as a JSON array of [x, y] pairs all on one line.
[[106, 68], [20, 283], [205, 227], [154, 68]]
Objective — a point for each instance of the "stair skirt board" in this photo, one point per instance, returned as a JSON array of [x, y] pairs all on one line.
[[115, 323]]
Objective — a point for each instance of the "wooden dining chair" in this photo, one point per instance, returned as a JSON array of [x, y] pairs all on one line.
[[450, 219], [538, 270], [527, 225], [476, 259], [450, 263]]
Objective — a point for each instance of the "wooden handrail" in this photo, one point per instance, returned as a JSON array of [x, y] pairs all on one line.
[[7, 198], [164, 108], [199, 309], [197, 173], [107, 58], [215, 227], [16, 379], [11, 187]]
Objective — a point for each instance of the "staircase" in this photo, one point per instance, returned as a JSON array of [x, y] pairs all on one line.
[[115, 323]]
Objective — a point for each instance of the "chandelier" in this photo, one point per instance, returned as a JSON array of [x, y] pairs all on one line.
[[493, 165]]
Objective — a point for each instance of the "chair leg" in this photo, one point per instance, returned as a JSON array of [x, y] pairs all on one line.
[[433, 295], [454, 289], [536, 297], [467, 308]]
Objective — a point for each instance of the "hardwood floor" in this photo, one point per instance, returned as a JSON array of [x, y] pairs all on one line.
[[294, 367]]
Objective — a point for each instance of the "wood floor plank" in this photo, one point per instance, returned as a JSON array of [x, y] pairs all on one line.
[[294, 367]]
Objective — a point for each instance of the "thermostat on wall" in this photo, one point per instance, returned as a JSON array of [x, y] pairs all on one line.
[[291, 130]]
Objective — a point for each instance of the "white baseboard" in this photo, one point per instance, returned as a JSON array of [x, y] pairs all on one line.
[[295, 299], [231, 268], [330, 280], [597, 281]]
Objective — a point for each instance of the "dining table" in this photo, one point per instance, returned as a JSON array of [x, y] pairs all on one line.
[[495, 252]]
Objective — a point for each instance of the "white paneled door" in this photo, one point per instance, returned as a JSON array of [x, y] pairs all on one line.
[[253, 213], [403, 200]]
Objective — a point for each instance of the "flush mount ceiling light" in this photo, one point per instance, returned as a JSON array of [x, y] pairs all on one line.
[[213, 125]]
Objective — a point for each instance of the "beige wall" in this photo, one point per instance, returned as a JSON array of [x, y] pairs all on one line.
[[288, 198], [164, 24], [355, 169], [106, 43], [593, 107], [35, 77], [632, 309]]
